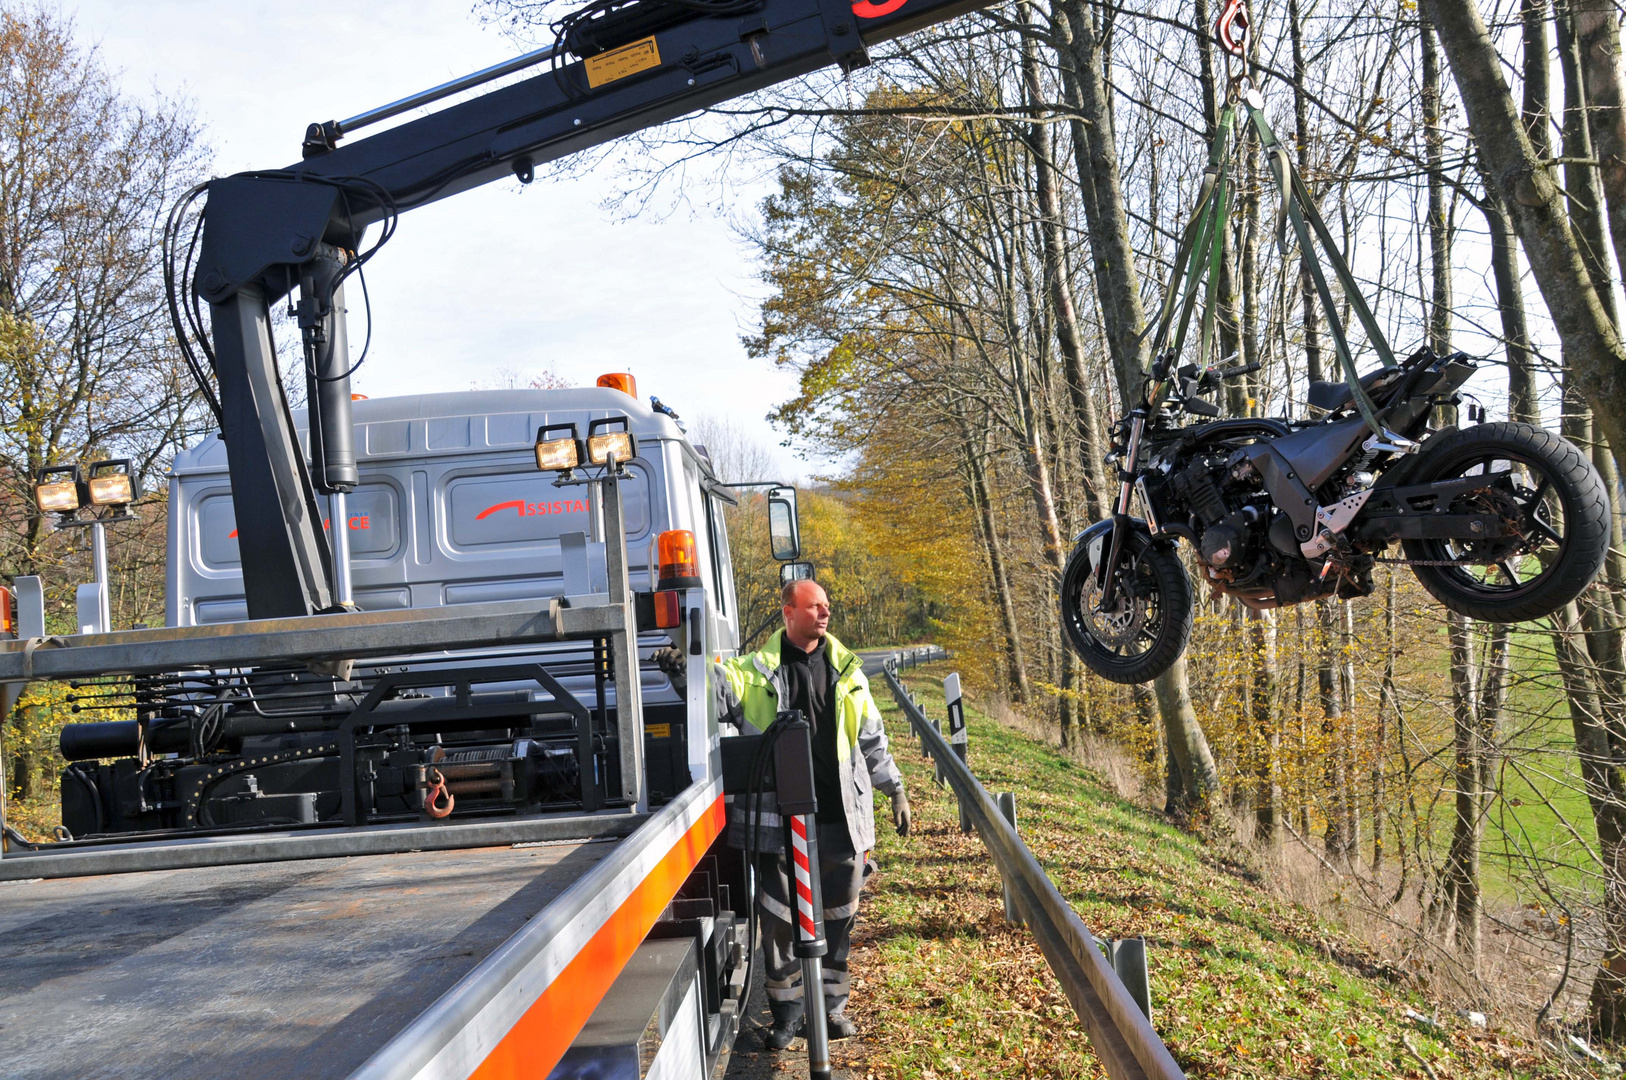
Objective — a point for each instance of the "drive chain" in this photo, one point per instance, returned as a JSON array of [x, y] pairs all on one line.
[[1430, 562]]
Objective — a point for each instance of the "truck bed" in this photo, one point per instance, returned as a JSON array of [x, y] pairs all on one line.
[[254, 972]]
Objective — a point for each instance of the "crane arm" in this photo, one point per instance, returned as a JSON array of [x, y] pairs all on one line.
[[267, 233]]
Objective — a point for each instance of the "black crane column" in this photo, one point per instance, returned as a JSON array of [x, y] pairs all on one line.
[[287, 570]]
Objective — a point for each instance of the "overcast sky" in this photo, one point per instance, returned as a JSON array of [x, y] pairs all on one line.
[[493, 280]]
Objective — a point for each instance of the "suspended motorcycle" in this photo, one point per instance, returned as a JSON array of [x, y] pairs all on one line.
[[1501, 522]]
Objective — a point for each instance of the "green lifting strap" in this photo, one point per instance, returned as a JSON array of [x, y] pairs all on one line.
[[1300, 210], [1204, 232]]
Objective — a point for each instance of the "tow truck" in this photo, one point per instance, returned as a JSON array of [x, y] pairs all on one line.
[[405, 792]]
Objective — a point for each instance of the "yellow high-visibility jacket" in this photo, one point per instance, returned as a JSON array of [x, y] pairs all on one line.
[[749, 690]]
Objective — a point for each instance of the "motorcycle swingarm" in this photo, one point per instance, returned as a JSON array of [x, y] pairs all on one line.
[[1430, 525], [1417, 512]]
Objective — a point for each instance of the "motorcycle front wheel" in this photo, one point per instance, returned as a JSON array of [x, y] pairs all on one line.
[[1145, 629], [1556, 510]]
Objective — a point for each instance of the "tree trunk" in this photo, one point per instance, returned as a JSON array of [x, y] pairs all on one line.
[[1069, 335], [1597, 37], [1537, 75], [1329, 684], [1301, 142], [1461, 872], [1380, 747], [1188, 746], [1599, 750], [1096, 152], [1585, 193], [1016, 664], [1523, 404], [1267, 735], [1535, 204]]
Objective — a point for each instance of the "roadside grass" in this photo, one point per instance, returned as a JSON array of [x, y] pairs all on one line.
[[1243, 984]]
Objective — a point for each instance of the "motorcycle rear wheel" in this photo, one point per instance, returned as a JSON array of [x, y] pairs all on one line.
[[1542, 482], [1147, 627]]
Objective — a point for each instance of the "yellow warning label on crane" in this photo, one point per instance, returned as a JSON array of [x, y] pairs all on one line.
[[616, 64]]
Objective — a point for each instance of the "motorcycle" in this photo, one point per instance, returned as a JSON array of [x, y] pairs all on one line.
[[1501, 522]]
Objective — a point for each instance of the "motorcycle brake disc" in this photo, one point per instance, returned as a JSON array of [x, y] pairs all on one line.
[[1113, 628]]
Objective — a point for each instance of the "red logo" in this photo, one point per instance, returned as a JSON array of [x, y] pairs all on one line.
[[533, 509], [359, 521], [869, 9]]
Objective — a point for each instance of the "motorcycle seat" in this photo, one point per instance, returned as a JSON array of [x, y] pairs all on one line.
[[1331, 396], [1328, 396]]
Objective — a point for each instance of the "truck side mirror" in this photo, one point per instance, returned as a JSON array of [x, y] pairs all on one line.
[[784, 531], [795, 571]]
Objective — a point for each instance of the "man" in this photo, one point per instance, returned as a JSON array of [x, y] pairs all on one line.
[[804, 667]]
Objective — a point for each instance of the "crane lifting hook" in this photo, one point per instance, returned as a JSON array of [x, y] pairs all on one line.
[[1232, 28]]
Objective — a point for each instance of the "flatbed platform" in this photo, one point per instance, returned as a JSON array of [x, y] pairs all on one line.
[[271, 971]]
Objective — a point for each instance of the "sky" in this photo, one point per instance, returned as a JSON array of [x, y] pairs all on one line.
[[497, 280]]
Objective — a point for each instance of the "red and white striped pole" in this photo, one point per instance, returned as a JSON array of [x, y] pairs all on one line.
[[810, 943], [798, 803]]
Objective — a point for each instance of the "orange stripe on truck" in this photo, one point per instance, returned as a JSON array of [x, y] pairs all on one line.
[[535, 1044]]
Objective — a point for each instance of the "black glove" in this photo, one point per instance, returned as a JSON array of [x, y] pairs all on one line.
[[900, 811], [675, 665]]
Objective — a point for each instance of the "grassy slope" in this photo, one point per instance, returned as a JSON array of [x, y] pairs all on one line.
[[1243, 985]]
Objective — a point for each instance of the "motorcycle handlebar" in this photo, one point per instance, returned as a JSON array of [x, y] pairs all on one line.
[[1231, 373]]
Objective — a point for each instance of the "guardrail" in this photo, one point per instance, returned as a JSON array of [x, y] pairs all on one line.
[[1119, 1031]]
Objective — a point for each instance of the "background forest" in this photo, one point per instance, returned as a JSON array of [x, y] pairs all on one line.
[[958, 259]]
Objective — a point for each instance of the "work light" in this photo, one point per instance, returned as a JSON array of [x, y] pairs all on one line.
[[556, 452], [601, 443], [57, 489], [111, 483]]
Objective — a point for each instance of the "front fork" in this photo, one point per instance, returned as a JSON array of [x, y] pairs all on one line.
[[1108, 570]]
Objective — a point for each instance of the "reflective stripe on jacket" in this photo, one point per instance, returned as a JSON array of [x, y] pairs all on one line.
[[750, 689]]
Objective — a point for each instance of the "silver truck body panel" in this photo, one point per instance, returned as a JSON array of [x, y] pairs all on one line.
[[428, 964]]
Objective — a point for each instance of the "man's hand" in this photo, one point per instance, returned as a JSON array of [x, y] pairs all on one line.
[[672, 661], [900, 812]]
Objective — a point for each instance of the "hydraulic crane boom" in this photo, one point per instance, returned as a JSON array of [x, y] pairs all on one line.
[[265, 233]]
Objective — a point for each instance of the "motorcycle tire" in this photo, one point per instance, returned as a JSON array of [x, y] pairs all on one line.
[[1149, 629], [1561, 557]]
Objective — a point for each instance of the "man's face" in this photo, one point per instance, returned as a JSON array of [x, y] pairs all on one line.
[[807, 616]]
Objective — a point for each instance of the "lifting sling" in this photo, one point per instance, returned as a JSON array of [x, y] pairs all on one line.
[[1201, 250]]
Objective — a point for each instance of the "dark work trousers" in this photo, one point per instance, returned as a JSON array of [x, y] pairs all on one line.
[[841, 876]]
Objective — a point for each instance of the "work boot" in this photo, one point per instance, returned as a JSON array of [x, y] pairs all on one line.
[[840, 1027], [780, 1035]]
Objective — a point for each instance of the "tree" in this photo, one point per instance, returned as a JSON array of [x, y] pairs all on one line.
[[1594, 353], [87, 366]]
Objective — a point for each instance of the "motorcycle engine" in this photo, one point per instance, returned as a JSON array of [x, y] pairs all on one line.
[[1244, 543]]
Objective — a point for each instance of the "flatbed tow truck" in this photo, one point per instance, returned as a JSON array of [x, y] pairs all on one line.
[[405, 793]]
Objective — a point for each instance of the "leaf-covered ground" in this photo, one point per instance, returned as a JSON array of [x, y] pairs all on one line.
[[1243, 984]]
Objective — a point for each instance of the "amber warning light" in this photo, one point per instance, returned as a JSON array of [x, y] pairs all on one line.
[[622, 381], [679, 569]]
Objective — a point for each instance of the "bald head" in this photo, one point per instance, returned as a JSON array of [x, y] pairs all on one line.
[[807, 613]]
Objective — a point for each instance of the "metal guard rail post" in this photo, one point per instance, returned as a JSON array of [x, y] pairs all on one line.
[[1121, 1035]]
